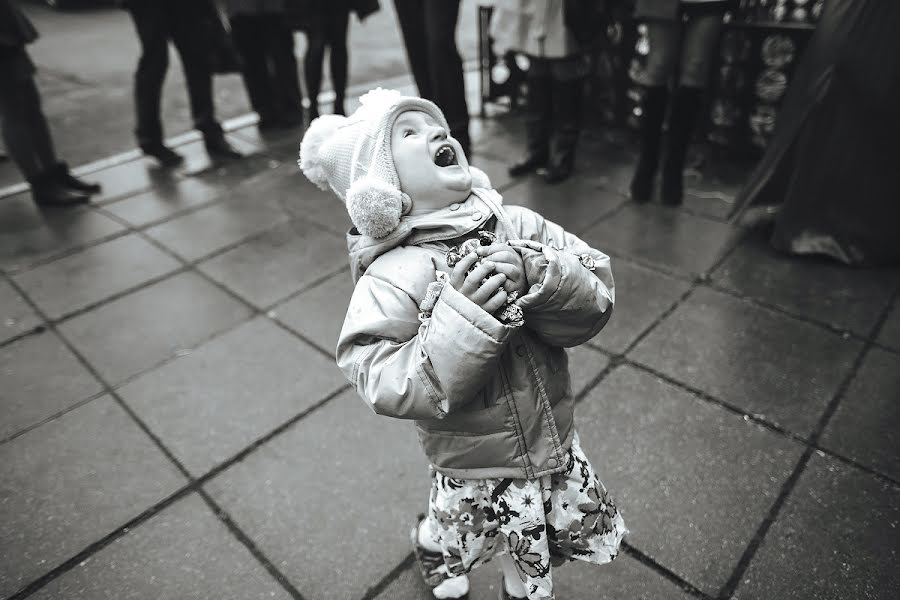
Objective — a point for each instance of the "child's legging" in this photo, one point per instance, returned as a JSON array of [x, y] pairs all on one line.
[[332, 32]]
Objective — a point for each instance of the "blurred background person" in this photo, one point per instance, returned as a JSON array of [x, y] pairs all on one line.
[[555, 81], [429, 34], [187, 24], [683, 35], [265, 41], [25, 130]]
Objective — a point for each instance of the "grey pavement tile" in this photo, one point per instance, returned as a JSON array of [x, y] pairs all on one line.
[[585, 364], [783, 370], [161, 202], [501, 138], [276, 142], [331, 500], [16, 315], [318, 313], [73, 282], [139, 330], [198, 163], [41, 377], [209, 405], [495, 169], [889, 335], [279, 262], [71, 482], [866, 425], [663, 236], [693, 481], [182, 552], [212, 228], [835, 538], [574, 204], [623, 578], [129, 178], [29, 233], [304, 200], [846, 298], [714, 204], [642, 296]]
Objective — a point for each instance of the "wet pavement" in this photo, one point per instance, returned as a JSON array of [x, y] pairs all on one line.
[[172, 424]]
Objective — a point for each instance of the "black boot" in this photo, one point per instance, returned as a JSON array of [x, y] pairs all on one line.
[[220, 148], [568, 99], [685, 108], [47, 190], [538, 113], [65, 177], [653, 111]]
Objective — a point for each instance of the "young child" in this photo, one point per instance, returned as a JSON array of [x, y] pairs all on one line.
[[468, 344]]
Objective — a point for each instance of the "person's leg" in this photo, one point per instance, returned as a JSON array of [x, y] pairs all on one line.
[[538, 115], [701, 35], [312, 65], [249, 39], [336, 32], [568, 77], [411, 16], [151, 26], [445, 67], [665, 40], [284, 70]]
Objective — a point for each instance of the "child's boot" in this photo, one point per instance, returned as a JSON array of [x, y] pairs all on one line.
[[431, 564], [653, 112], [685, 108]]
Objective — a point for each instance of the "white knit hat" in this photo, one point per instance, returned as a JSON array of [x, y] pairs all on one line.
[[352, 157]]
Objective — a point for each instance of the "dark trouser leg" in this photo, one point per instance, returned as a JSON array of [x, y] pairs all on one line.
[[567, 106], [538, 116], [445, 66], [685, 107], [411, 16], [653, 113], [312, 66], [18, 102], [152, 29], [336, 32], [191, 41], [284, 69], [249, 39]]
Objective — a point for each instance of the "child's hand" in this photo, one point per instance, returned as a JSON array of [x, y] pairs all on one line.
[[489, 295], [508, 262]]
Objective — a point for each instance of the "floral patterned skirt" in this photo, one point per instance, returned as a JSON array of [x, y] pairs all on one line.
[[541, 523]]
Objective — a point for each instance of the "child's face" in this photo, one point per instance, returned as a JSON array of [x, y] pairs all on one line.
[[431, 165]]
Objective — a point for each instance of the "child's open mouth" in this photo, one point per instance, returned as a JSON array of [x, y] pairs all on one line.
[[445, 156]]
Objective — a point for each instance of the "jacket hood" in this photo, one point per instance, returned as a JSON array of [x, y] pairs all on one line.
[[443, 224]]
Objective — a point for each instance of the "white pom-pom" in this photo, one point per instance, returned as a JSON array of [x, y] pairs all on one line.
[[380, 97], [320, 130], [479, 178], [375, 207]]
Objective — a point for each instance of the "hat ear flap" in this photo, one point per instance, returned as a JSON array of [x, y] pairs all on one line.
[[375, 207], [479, 178]]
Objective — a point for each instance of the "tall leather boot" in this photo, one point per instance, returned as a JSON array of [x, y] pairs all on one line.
[[567, 106], [650, 135], [538, 115], [682, 119]]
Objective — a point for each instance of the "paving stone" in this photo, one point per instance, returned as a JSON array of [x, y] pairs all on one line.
[[141, 329], [835, 538], [331, 501], [575, 203], [662, 236], [29, 234], [496, 170], [94, 274], [210, 404], [765, 363], [303, 200], [272, 266], [867, 421], [500, 138], [642, 296], [585, 364], [318, 313], [215, 227], [71, 482], [182, 552], [713, 204], [623, 578], [851, 299], [16, 316], [693, 481], [161, 202], [41, 377], [889, 335], [129, 178], [198, 163]]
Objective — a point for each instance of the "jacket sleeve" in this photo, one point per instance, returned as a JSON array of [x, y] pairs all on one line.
[[567, 303], [409, 369]]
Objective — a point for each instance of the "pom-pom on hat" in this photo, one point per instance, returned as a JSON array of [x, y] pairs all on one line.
[[352, 157]]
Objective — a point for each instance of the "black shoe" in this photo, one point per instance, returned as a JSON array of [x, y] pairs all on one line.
[[557, 174], [642, 186], [46, 190], [219, 148], [653, 105], [63, 176], [163, 154], [529, 165], [672, 188]]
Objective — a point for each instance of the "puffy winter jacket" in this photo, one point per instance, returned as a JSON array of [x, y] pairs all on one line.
[[489, 400]]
